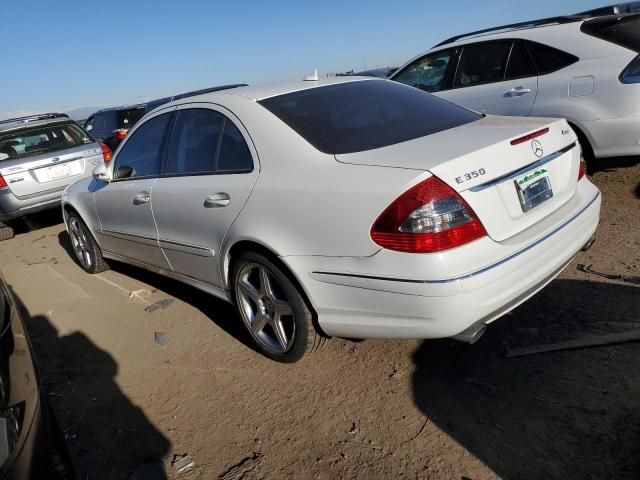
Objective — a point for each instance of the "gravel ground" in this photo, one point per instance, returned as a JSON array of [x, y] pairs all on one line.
[[130, 407]]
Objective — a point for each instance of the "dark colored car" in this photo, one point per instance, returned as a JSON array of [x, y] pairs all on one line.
[[111, 125], [30, 445]]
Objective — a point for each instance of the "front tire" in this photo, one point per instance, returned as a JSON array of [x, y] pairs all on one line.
[[87, 252], [273, 309]]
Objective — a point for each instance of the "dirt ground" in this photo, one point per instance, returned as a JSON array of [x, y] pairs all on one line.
[[129, 406]]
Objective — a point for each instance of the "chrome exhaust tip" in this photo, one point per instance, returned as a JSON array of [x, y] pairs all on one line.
[[472, 334], [587, 245]]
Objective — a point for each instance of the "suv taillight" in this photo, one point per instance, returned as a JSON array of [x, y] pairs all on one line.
[[3, 183], [631, 74], [429, 217], [106, 153], [120, 133]]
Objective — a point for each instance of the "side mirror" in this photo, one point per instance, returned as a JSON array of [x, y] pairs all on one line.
[[125, 171], [88, 128], [101, 174]]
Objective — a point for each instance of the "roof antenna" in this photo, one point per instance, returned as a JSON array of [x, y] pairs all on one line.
[[313, 77]]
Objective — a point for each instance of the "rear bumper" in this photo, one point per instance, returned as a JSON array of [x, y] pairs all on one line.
[[354, 304], [617, 137], [13, 207]]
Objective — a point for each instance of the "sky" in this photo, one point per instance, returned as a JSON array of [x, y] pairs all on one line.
[[59, 55]]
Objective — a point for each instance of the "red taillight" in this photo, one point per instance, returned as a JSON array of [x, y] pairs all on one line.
[[582, 169], [531, 136], [106, 153], [430, 217], [2, 182], [120, 133]]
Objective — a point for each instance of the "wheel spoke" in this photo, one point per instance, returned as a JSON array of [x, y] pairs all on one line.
[[265, 283], [87, 258], [249, 290], [281, 336], [259, 323]]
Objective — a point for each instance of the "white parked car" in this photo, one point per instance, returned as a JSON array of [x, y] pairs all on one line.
[[348, 207], [584, 69]]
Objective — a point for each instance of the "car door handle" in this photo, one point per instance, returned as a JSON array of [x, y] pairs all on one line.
[[517, 92], [217, 200], [141, 198]]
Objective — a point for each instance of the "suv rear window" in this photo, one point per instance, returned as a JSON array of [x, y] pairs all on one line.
[[364, 115], [128, 118], [34, 141], [548, 59], [623, 31]]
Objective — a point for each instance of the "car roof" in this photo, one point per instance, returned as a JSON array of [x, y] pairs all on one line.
[[152, 104], [268, 90], [24, 123]]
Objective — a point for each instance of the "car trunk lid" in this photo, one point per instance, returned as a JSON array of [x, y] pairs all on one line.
[[43, 172], [510, 180]]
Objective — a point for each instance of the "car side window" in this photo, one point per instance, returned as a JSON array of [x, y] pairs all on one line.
[[482, 63], [548, 59], [194, 142], [518, 65], [234, 152], [141, 155], [428, 73]]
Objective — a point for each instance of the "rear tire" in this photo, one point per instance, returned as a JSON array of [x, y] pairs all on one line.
[[87, 252], [6, 233], [274, 310]]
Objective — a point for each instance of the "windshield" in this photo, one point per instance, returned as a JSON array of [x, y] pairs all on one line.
[[49, 138], [364, 115]]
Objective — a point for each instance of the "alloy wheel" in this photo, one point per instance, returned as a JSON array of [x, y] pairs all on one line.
[[80, 243], [265, 308]]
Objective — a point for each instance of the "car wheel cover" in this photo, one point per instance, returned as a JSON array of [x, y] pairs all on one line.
[[264, 308], [80, 244]]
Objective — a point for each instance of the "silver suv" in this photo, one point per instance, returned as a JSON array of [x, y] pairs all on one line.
[[39, 156]]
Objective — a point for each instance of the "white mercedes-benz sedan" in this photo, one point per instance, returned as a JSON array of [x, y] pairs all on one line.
[[350, 207]]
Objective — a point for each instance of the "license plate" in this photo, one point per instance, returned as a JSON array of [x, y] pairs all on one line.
[[59, 171], [533, 189]]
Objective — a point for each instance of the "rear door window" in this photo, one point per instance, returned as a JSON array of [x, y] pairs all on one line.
[[429, 73], [518, 65], [141, 155], [482, 63], [548, 59], [194, 142], [366, 114], [35, 141], [234, 151]]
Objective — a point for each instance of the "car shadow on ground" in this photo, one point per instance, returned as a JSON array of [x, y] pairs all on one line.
[[36, 221], [106, 435], [567, 414], [216, 310]]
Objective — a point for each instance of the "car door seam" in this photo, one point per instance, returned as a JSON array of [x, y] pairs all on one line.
[[156, 225]]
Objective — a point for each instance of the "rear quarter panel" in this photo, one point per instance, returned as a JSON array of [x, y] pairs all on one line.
[[305, 202]]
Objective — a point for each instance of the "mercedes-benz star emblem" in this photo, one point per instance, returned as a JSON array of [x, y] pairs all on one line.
[[536, 146]]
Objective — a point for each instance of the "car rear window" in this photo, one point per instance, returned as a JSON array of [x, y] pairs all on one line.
[[35, 141], [128, 118], [623, 31], [364, 115]]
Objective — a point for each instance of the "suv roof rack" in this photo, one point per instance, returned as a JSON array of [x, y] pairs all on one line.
[[518, 26], [33, 118], [618, 9]]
